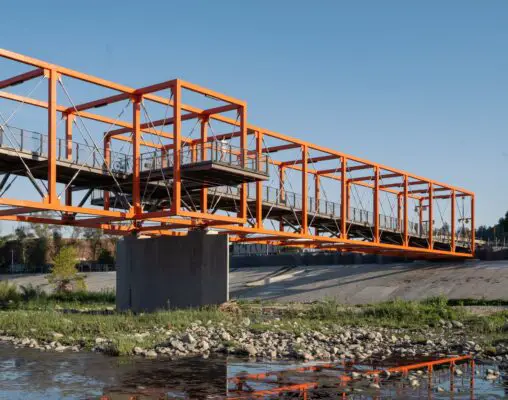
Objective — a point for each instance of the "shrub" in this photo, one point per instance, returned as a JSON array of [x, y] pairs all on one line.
[[64, 274], [31, 292], [8, 292]]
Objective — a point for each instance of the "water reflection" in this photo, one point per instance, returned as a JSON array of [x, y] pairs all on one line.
[[31, 374]]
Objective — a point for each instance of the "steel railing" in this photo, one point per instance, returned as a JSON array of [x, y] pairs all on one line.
[[216, 151], [35, 143]]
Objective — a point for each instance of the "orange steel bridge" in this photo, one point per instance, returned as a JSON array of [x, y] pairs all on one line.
[[174, 156]]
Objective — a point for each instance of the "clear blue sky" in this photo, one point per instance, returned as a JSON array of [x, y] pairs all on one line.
[[421, 86]]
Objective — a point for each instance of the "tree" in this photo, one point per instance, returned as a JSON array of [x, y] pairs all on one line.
[[22, 236], [105, 257], [498, 231], [94, 237], [64, 274]]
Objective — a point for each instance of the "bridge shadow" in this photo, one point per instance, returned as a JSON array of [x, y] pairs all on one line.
[[312, 279]]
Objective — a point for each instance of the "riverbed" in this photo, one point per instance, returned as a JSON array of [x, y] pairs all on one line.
[[31, 374]]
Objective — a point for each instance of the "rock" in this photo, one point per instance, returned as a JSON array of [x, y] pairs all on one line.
[[188, 338], [100, 340], [246, 321], [176, 344], [204, 345], [57, 335], [140, 336], [150, 354], [137, 350], [457, 324], [60, 348], [225, 336], [250, 350]]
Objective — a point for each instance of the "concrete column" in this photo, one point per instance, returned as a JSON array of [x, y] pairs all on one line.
[[172, 272]]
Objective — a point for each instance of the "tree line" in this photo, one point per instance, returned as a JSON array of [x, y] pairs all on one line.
[[497, 231], [37, 245]]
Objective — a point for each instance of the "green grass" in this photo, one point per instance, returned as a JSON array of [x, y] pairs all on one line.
[[34, 298], [31, 313], [391, 314], [120, 327]]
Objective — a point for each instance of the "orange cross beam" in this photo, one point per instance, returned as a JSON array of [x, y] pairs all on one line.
[[18, 79]]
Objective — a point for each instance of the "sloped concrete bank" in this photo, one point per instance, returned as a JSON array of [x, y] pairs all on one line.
[[349, 284]]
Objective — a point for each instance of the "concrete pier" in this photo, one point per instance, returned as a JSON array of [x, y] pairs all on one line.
[[172, 272]]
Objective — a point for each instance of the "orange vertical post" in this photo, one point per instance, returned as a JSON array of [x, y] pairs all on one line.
[[304, 222], [282, 178], [406, 208], [52, 154], [194, 153], [376, 204], [420, 215], [317, 191], [431, 215], [68, 152], [204, 140], [136, 141], [473, 233], [399, 211], [317, 196], [177, 145], [452, 227], [259, 184], [243, 145], [107, 161], [281, 199], [164, 157], [348, 200], [343, 198]]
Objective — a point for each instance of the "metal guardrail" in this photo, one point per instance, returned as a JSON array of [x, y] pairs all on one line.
[[217, 152], [35, 143]]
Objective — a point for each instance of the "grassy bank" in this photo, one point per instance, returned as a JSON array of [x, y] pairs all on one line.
[[86, 317]]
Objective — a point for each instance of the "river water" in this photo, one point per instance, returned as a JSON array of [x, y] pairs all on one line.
[[31, 374]]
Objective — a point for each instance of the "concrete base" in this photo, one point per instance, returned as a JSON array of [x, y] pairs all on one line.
[[172, 272]]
